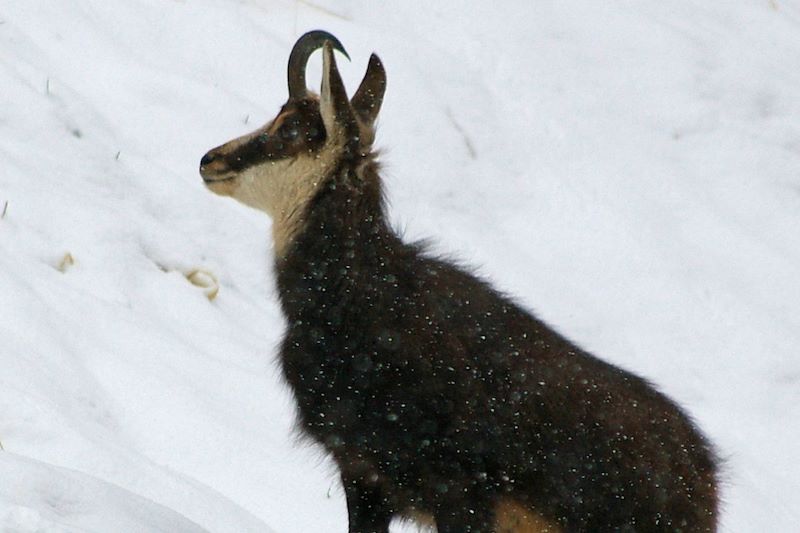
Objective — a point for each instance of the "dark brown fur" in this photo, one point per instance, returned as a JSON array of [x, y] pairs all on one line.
[[436, 394]]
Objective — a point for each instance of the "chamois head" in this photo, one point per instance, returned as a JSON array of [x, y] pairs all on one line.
[[278, 167]]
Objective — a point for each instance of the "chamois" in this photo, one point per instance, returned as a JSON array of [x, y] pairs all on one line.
[[438, 397]]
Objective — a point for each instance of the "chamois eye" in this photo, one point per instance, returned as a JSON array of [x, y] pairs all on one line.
[[289, 133], [313, 133], [263, 138]]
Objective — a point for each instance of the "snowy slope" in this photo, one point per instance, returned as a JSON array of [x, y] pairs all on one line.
[[43, 497], [629, 170]]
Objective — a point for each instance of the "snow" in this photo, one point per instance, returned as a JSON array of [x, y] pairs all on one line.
[[629, 170], [39, 497]]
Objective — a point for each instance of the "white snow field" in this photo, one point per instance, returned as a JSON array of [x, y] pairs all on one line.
[[628, 170]]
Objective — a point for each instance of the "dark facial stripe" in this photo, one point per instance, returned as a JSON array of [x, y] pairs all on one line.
[[296, 130]]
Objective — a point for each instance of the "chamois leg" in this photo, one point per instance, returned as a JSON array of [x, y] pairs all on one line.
[[367, 509]]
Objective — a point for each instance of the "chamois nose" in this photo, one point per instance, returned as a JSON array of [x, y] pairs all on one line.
[[208, 158], [213, 165]]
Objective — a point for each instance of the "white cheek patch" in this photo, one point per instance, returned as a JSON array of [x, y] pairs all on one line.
[[283, 188]]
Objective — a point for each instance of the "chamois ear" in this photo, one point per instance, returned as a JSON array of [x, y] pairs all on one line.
[[337, 115], [369, 96]]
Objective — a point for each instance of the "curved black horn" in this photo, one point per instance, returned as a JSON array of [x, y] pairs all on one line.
[[303, 48]]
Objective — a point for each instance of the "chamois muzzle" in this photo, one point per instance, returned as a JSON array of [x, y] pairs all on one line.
[[213, 167], [208, 158]]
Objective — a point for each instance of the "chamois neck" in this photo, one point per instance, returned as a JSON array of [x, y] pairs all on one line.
[[341, 261], [345, 223]]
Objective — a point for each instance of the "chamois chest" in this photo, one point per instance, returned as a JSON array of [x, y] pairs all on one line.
[[345, 352], [397, 355]]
